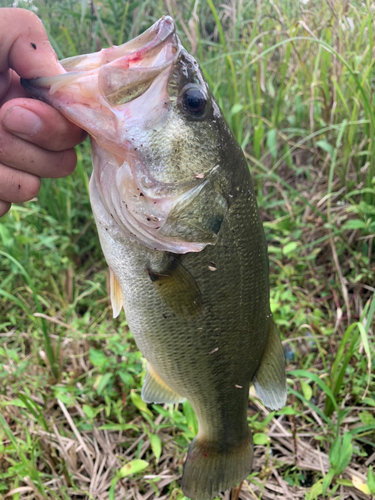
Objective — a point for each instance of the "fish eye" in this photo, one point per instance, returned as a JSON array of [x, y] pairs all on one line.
[[194, 101]]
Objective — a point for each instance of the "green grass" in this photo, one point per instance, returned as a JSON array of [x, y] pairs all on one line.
[[296, 85]]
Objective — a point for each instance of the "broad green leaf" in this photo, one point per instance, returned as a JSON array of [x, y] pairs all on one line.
[[272, 142], [366, 418], [344, 482], [260, 438], [354, 224], [290, 247], [191, 419], [155, 446], [316, 491], [371, 480], [14, 402], [325, 146], [13, 354], [258, 137], [64, 395], [306, 389], [346, 452], [102, 381], [327, 480], [288, 411], [88, 411], [236, 108], [98, 358], [127, 378], [335, 452], [139, 403], [133, 467], [5, 235], [271, 88]]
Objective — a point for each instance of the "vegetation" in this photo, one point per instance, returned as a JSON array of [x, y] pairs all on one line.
[[295, 80]]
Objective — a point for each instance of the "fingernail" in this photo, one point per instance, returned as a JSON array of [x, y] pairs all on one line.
[[22, 122]]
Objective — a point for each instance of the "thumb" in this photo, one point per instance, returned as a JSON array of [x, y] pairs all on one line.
[[24, 45]]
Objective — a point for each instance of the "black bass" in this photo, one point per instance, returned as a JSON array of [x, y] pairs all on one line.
[[180, 230]]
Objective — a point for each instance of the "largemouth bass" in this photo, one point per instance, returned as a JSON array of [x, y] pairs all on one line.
[[179, 226]]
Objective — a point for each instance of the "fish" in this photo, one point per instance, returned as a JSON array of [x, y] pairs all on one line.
[[180, 229]]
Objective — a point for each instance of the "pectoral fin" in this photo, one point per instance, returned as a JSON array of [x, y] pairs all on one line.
[[116, 294], [155, 390], [178, 289], [270, 379], [198, 214]]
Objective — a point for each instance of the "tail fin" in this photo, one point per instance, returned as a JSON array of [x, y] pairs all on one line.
[[209, 471]]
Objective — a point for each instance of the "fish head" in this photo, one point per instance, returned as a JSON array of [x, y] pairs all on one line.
[[156, 134]]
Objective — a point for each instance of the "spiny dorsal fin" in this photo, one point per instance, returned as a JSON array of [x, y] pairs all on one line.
[[270, 379], [116, 294], [155, 390]]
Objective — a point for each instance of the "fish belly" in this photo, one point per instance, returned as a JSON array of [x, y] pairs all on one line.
[[210, 357]]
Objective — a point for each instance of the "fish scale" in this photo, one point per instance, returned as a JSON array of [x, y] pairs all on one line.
[[180, 230], [225, 323]]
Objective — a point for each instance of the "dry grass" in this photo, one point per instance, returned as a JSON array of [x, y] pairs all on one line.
[[89, 459]]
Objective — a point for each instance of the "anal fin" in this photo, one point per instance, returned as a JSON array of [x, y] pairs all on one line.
[[155, 390], [270, 379], [116, 294]]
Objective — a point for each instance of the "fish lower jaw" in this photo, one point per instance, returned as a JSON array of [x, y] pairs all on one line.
[[136, 214]]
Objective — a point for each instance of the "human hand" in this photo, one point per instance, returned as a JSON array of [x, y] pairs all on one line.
[[36, 141]]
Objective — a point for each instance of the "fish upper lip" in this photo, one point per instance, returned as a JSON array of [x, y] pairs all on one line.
[[131, 53], [149, 40], [165, 27]]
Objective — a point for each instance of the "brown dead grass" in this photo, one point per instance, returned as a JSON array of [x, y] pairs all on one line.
[[89, 460]]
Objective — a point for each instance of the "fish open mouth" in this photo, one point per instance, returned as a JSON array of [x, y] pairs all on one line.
[[120, 73], [115, 94]]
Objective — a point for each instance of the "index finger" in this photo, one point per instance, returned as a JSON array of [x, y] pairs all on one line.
[[25, 48]]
